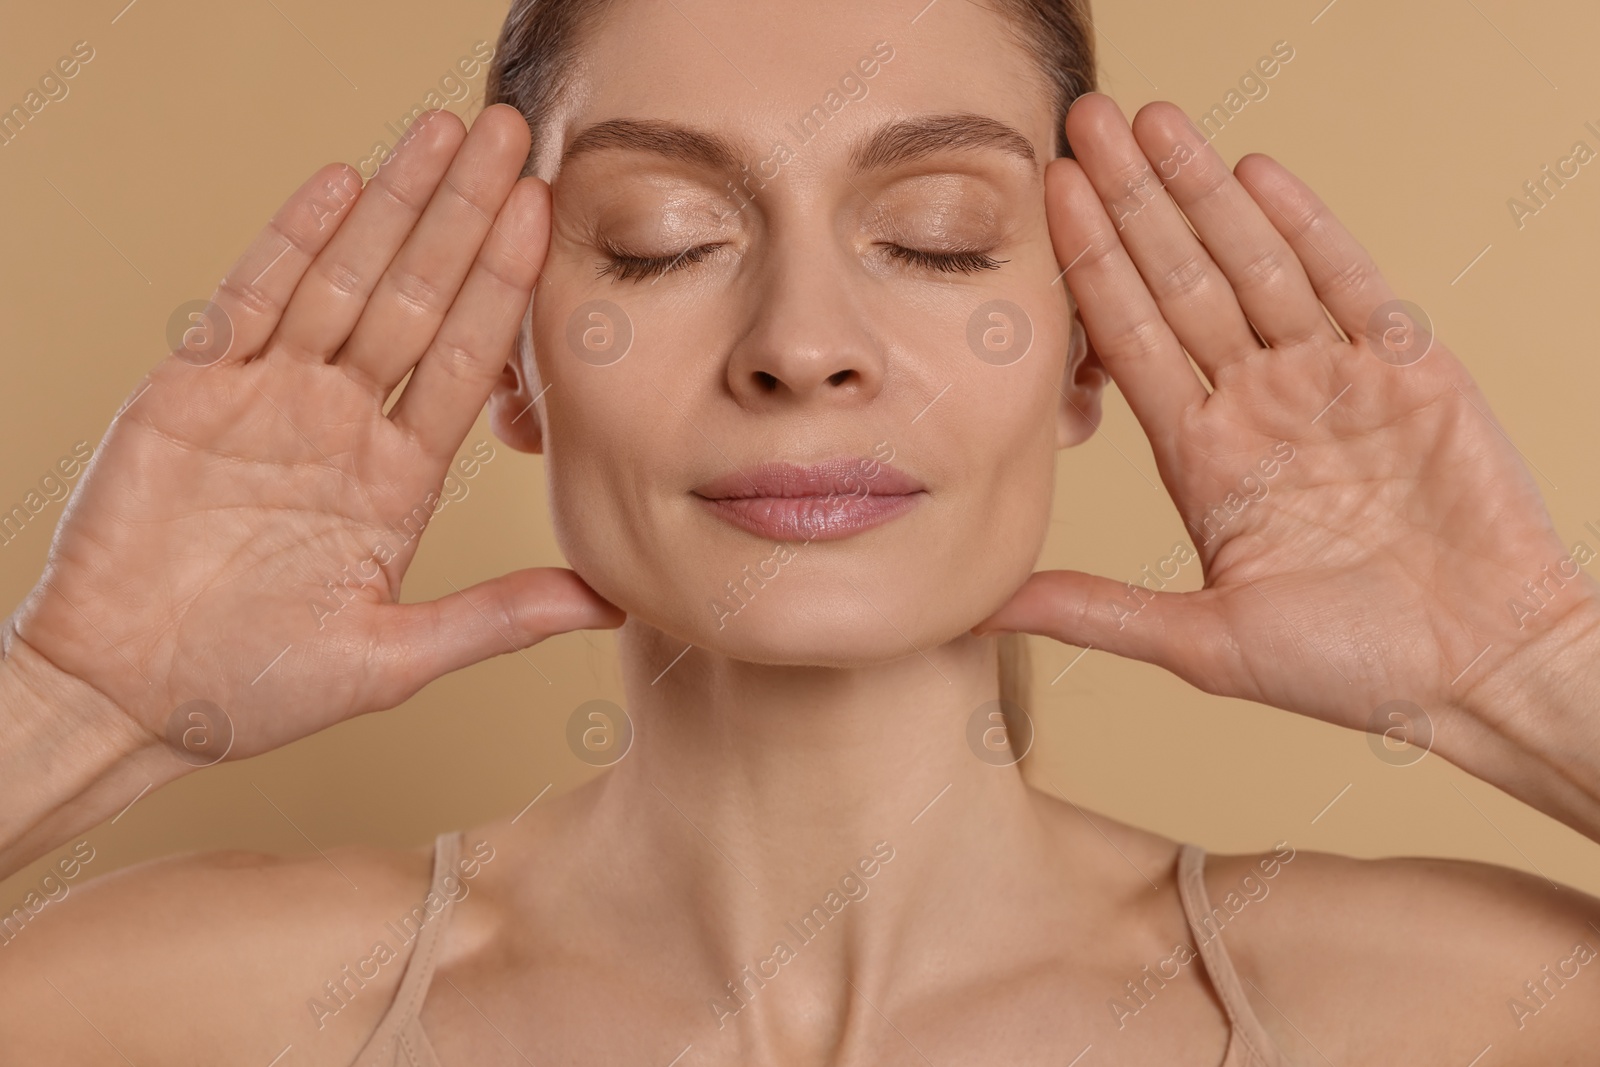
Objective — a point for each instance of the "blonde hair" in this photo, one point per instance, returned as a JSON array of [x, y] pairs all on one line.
[[1016, 691], [1016, 673]]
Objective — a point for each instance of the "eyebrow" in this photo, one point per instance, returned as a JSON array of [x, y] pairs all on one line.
[[897, 142], [667, 139], [907, 140]]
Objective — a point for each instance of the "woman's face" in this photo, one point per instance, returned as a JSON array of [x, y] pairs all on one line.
[[779, 233]]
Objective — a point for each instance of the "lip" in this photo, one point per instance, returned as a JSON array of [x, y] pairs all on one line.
[[836, 498]]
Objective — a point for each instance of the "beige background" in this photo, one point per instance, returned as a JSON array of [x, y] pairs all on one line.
[[1415, 121]]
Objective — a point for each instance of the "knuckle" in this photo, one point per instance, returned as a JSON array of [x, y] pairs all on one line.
[[1211, 178], [1139, 340], [506, 268], [1312, 220], [1189, 278], [460, 361], [1104, 246], [410, 196], [1262, 270], [1136, 190], [341, 278], [299, 230], [310, 217], [416, 293], [1353, 277], [1133, 174], [471, 193], [250, 298]]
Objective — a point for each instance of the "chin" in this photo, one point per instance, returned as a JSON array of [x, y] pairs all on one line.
[[824, 615], [817, 632]]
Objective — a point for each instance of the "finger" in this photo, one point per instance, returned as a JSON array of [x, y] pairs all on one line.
[[1191, 291], [1124, 325], [1266, 276], [417, 643], [341, 279], [1343, 274], [419, 286], [453, 380], [1171, 630], [250, 300]]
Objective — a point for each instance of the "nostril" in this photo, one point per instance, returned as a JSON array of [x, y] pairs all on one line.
[[767, 381], [840, 378]]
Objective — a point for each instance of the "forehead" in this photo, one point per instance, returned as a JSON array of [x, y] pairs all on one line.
[[813, 72]]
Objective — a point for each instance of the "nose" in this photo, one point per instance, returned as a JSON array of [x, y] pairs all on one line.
[[809, 340]]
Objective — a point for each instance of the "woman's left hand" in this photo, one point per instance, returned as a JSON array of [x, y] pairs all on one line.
[[1362, 522]]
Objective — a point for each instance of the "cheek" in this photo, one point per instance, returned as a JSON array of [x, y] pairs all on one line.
[[1008, 460], [596, 509], [619, 443], [993, 436], [594, 426]]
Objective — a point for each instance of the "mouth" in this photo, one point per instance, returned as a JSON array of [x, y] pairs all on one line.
[[825, 501]]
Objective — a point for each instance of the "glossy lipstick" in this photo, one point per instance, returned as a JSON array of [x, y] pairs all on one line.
[[823, 501]]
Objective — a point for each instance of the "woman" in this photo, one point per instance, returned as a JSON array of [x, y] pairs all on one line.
[[799, 365]]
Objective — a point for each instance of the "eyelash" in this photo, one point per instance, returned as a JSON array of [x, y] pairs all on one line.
[[951, 262], [624, 266]]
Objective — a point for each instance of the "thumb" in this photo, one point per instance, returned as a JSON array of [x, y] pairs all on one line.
[[416, 643], [1171, 630]]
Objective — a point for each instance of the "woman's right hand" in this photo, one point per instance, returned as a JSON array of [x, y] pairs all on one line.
[[256, 470]]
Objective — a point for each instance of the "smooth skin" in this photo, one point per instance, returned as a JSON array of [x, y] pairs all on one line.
[[604, 926]]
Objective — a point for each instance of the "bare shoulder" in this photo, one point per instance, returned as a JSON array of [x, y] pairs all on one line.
[[1438, 959], [213, 957], [1143, 856]]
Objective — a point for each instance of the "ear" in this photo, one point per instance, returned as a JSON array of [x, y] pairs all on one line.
[[513, 412], [1082, 385]]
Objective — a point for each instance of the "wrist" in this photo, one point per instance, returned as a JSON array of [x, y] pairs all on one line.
[[1539, 696], [69, 756]]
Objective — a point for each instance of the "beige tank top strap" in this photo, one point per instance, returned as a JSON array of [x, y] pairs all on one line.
[[1247, 1028], [397, 1039]]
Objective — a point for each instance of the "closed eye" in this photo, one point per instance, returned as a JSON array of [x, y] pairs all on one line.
[[950, 262], [625, 266]]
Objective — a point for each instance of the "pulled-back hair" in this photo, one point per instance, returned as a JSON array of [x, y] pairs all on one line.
[[533, 63]]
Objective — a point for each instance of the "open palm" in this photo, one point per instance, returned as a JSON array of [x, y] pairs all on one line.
[[1360, 518], [241, 535]]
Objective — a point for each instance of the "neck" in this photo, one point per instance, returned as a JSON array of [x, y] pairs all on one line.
[[755, 796]]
